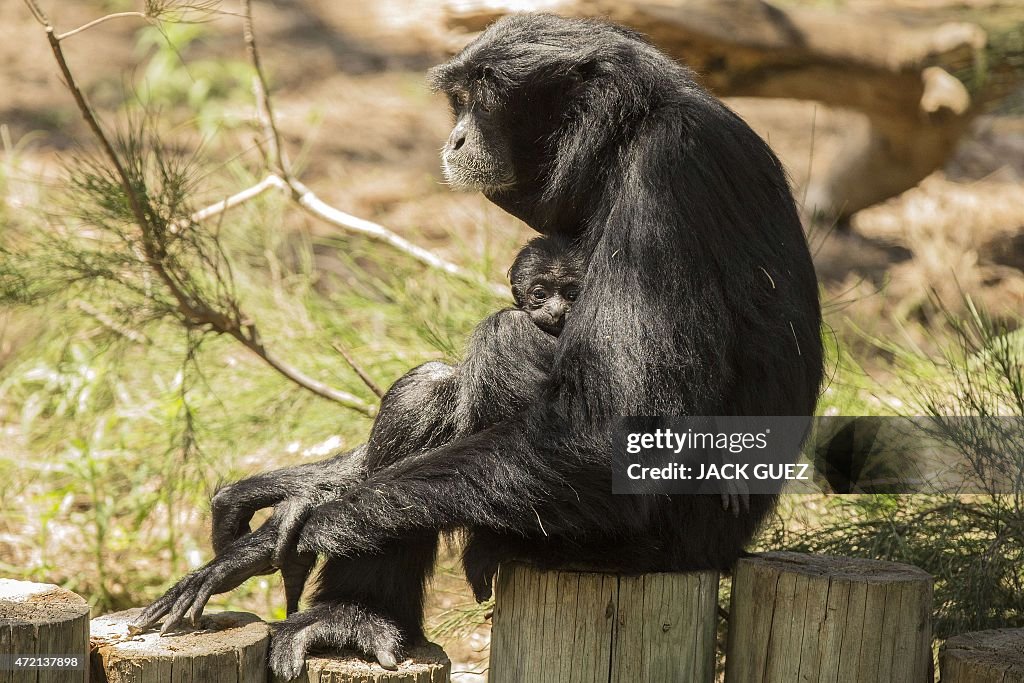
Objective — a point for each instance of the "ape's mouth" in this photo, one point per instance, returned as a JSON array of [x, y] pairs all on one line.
[[554, 328], [476, 178]]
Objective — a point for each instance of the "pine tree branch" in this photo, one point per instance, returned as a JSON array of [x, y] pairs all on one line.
[[194, 311]]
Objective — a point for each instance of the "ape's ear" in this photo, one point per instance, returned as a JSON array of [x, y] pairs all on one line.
[[586, 69]]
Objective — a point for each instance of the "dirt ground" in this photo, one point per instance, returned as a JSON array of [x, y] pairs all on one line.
[[349, 88]]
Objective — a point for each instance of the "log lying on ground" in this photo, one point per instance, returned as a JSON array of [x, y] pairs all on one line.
[[919, 77], [570, 626], [229, 647], [984, 656], [797, 617], [426, 663], [40, 620]]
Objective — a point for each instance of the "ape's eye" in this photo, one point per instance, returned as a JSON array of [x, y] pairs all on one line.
[[538, 294], [462, 98], [484, 72], [571, 293]]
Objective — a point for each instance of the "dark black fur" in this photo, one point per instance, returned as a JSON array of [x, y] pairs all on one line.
[[699, 299]]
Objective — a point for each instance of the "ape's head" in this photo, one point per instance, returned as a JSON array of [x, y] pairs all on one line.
[[546, 279], [537, 101]]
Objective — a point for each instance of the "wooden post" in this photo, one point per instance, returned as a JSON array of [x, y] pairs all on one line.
[[426, 663], [815, 618], [984, 656], [570, 627], [230, 647], [43, 621]]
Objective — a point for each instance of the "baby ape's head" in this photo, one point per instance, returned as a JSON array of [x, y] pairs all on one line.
[[546, 279]]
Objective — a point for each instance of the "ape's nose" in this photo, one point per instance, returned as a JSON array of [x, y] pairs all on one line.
[[458, 137], [556, 320]]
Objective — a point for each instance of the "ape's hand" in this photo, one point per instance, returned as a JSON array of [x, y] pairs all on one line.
[[291, 491], [245, 558], [332, 529], [736, 497], [290, 516]]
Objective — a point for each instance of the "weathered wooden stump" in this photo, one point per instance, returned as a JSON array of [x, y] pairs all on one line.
[[426, 663], [230, 647], [801, 617], [571, 626], [984, 656], [40, 620]]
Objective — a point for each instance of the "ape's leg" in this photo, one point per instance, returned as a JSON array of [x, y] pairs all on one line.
[[294, 492], [490, 386], [417, 413], [371, 603]]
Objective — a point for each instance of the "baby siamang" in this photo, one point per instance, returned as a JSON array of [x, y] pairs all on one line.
[[699, 298], [546, 278]]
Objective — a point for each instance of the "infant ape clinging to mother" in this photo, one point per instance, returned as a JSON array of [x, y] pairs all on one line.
[[546, 277]]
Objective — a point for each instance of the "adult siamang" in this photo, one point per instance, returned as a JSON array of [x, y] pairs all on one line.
[[699, 298]]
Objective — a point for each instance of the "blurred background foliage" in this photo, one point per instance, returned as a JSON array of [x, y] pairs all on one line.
[[118, 421]]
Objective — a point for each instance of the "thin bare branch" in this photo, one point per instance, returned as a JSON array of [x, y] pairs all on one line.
[[367, 380], [253, 343], [97, 22], [37, 12], [264, 108], [317, 207], [268, 183]]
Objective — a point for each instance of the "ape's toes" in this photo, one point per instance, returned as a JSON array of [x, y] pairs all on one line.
[[481, 581], [482, 591], [287, 657], [387, 659]]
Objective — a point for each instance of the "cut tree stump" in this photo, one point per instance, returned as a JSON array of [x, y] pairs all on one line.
[[230, 647], [43, 620], [571, 626], [426, 663], [798, 617], [983, 657]]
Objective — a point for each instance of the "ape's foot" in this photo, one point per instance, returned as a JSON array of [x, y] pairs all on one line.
[[333, 626], [480, 564]]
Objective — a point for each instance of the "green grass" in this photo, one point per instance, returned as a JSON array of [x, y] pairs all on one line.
[[118, 430]]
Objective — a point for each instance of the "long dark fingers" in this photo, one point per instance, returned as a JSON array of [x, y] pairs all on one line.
[[290, 516], [295, 570]]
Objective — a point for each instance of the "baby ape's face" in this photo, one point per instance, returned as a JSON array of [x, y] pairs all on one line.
[[548, 300]]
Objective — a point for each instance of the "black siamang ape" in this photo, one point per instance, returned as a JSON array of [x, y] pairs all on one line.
[[699, 298]]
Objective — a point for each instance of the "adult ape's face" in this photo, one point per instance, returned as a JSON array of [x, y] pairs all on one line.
[[476, 155], [515, 93], [497, 145]]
